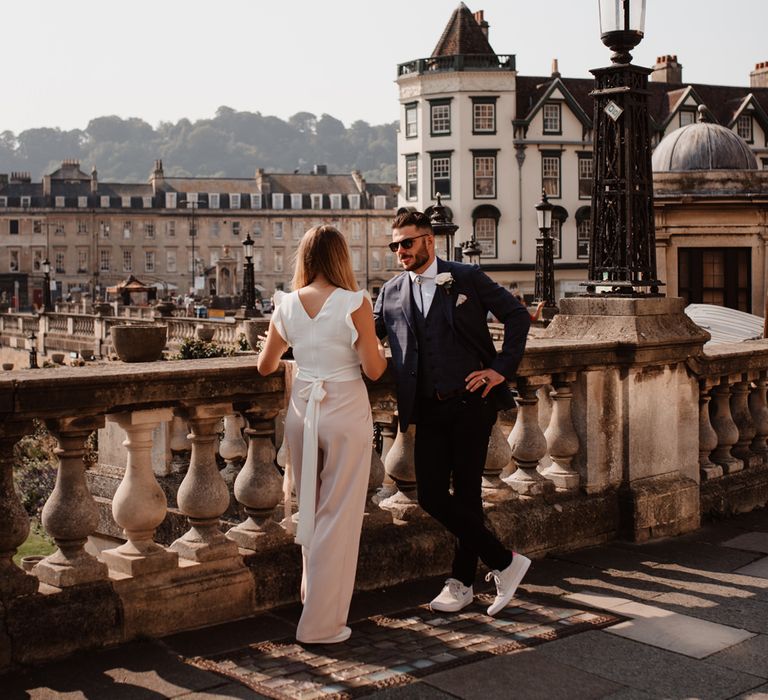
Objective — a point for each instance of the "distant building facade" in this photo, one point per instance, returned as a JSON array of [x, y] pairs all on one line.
[[96, 234], [490, 140]]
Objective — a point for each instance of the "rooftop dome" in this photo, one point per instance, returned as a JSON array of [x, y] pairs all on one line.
[[703, 146]]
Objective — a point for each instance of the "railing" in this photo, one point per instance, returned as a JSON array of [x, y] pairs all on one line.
[[457, 62]]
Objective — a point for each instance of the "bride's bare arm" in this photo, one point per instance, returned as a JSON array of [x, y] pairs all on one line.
[[274, 347], [368, 346]]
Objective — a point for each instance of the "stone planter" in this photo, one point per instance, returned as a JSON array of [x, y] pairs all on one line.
[[164, 309], [205, 333], [7, 366], [253, 329], [57, 358], [142, 342]]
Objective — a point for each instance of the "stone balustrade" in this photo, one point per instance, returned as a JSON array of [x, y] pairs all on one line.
[[574, 464]]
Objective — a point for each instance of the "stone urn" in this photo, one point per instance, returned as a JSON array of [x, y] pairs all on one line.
[[253, 329], [57, 358], [141, 342], [163, 309], [102, 308], [204, 333], [7, 366]]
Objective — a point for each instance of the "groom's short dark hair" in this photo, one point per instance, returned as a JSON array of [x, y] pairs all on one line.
[[412, 218]]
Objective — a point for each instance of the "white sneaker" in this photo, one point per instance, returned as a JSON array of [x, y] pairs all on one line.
[[507, 581], [342, 636], [454, 596]]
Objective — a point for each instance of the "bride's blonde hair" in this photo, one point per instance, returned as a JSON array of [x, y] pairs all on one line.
[[323, 250]]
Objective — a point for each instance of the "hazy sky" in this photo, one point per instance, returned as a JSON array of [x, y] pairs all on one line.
[[67, 62]]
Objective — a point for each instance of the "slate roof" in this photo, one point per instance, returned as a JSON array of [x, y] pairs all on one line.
[[463, 35]]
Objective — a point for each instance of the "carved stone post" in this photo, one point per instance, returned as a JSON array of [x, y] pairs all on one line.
[[759, 409], [203, 496], [14, 521], [139, 504], [179, 443], [232, 448], [707, 435], [561, 437], [499, 454], [527, 442], [399, 466], [743, 420], [725, 428], [258, 486], [71, 514]]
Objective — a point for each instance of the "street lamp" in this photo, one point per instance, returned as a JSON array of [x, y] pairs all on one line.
[[622, 253], [192, 205], [249, 294], [471, 250], [443, 226], [47, 304], [544, 289], [32, 348]]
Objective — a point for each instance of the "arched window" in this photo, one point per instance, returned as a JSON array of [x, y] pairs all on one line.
[[485, 223]]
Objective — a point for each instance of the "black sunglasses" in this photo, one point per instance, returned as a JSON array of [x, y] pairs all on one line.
[[406, 243]]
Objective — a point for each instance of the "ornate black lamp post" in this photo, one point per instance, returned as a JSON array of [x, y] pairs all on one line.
[[249, 293], [471, 250], [544, 289], [47, 303], [32, 348], [442, 226], [623, 245]]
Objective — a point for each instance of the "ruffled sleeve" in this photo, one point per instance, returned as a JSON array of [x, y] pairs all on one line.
[[281, 304], [353, 304]]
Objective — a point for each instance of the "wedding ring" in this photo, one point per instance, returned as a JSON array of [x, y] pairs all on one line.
[[484, 380]]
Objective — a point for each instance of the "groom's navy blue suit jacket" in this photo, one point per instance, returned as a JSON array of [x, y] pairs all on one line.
[[464, 312]]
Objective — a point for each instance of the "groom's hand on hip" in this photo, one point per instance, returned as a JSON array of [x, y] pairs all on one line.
[[484, 379]]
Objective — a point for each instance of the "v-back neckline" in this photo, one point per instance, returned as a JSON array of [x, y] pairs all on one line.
[[320, 310]]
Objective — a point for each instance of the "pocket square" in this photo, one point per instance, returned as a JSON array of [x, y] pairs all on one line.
[[460, 299]]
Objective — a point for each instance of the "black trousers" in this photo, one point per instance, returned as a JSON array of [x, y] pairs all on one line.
[[451, 446]]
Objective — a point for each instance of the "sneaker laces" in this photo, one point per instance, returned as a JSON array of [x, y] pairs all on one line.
[[455, 587], [496, 576]]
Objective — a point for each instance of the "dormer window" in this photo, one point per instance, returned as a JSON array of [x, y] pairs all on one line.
[[354, 201], [317, 201], [234, 201], [380, 201], [59, 202], [82, 202], [26, 202], [170, 200], [744, 127], [125, 202], [146, 202], [687, 116], [104, 202], [255, 201], [277, 200], [3, 201], [552, 118], [335, 201], [295, 201], [214, 201]]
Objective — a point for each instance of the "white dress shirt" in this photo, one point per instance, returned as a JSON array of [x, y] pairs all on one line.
[[428, 287]]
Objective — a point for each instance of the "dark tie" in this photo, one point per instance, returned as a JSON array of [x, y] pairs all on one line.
[[419, 281]]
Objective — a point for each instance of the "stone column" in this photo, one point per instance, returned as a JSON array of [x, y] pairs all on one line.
[[399, 466], [499, 454], [139, 504], [203, 496], [707, 435], [759, 410], [14, 521], [527, 441], [258, 486], [232, 448], [179, 443], [561, 437], [725, 428], [71, 514], [743, 420]]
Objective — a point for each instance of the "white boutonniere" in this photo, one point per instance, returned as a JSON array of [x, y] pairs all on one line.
[[444, 280], [460, 299]]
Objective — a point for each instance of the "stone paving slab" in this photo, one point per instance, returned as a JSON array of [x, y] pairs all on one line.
[[758, 568], [751, 656], [751, 541], [398, 648]]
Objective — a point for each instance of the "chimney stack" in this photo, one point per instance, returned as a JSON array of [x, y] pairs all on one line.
[[759, 77], [483, 24], [94, 180], [667, 70], [555, 69]]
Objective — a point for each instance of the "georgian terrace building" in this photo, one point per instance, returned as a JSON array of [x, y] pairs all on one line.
[[489, 140], [95, 234]]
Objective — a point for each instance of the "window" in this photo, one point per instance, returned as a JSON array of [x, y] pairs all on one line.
[[380, 201], [376, 260], [214, 229], [13, 260], [277, 200], [170, 260], [104, 260], [278, 267], [556, 232], [687, 117], [170, 200], [551, 116], [3, 201], [37, 259], [277, 230], [236, 228], [583, 232], [485, 233], [59, 202], [255, 201], [104, 229], [125, 202], [82, 202], [13, 227], [214, 200], [389, 261], [585, 175], [295, 201], [234, 201], [127, 261], [354, 201], [59, 261], [441, 175], [356, 258], [744, 127], [170, 229], [484, 170], [104, 202], [764, 163], [411, 125], [82, 227], [411, 177], [335, 201], [256, 231], [258, 261], [58, 229], [483, 115], [715, 276], [26, 201], [82, 260], [440, 117], [37, 226], [146, 202], [149, 229], [357, 229], [316, 201], [550, 173], [215, 255], [297, 229], [127, 227]]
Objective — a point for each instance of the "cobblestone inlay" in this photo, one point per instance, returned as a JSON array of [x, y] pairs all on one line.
[[386, 651]]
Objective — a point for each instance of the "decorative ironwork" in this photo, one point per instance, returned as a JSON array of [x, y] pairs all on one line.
[[544, 272], [442, 225]]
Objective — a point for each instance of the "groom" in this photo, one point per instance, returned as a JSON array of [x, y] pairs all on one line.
[[450, 383]]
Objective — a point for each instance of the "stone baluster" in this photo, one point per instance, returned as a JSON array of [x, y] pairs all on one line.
[[707, 435], [373, 514], [14, 521], [743, 419], [258, 486], [727, 432], [561, 437], [232, 448], [400, 467], [139, 504], [70, 514], [759, 409], [203, 496], [179, 444], [388, 487], [498, 456], [528, 442], [282, 458]]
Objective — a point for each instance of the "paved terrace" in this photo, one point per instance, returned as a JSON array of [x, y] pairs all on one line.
[[684, 617]]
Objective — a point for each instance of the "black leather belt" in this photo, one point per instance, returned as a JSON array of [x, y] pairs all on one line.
[[445, 396]]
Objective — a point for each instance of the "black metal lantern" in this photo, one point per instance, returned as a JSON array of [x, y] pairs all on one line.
[[472, 250], [249, 292], [544, 289], [443, 226], [622, 26], [32, 349]]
